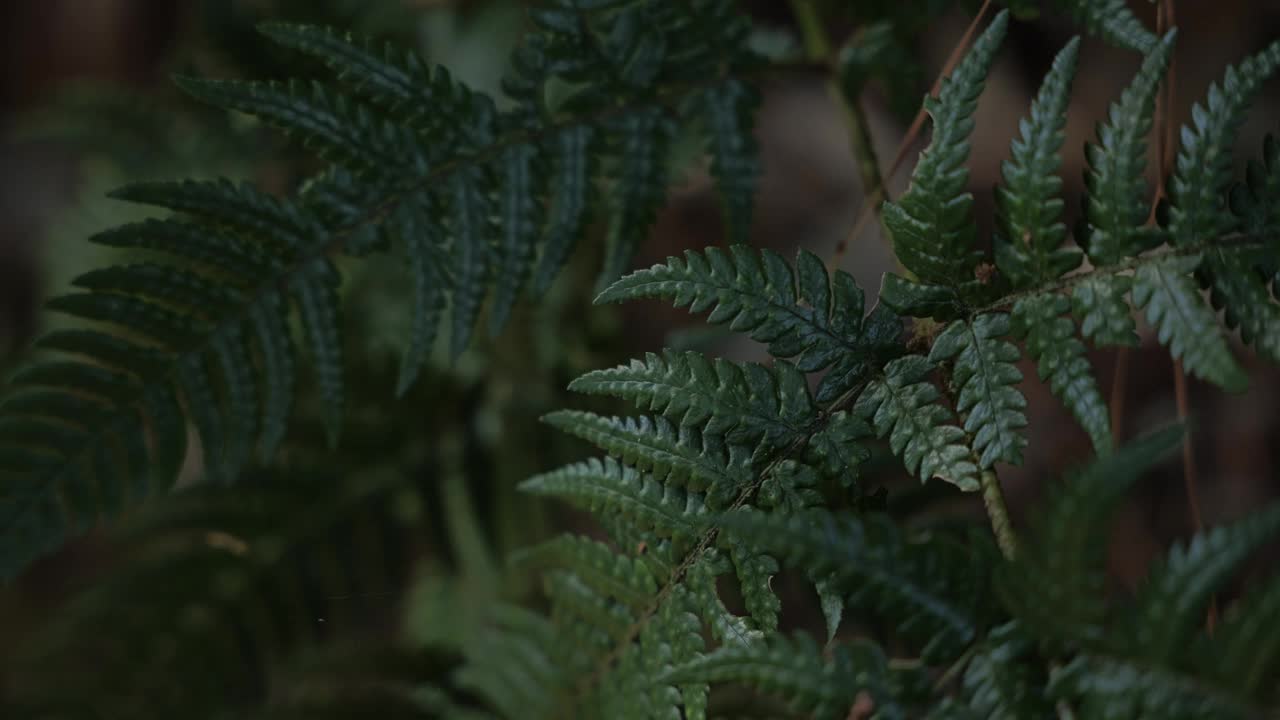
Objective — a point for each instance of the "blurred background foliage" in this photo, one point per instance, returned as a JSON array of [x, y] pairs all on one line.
[[318, 592]]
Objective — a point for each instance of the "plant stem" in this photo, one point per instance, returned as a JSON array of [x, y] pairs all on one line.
[[818, 49], [874, 197], [998, 513]]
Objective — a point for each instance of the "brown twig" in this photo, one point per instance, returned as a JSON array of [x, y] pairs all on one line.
[[873, 199], [1165, 159]]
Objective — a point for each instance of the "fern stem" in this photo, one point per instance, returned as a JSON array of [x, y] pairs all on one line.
[[1239, 241], [818, 49], [998, 513], [874, 198]]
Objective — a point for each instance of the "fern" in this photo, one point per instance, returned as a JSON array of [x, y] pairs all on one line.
[[736, 505], [932, 232], [424, 164], [806, 315]]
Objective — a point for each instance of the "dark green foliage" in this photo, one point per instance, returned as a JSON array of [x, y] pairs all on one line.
[[738, 491], [1049, 335], [930, 590], [931, 224], [1113, 21], [1029, 206], [422, 165], [904, 405], [984, 376], [807, 316]]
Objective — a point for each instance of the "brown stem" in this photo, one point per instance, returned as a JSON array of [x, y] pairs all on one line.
[[871, 204]]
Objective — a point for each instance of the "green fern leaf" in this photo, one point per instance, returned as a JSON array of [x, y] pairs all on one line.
[[1184, 321], [641, 154], [755, 576], [729, 112], [904, 405], [795, 671], [241, 208], [1055, 587], [573, 161], [521, 175], [747, 403], [1101, 686], [1244, 651], [315, 293], [983, 371], [600, 568], [240, 260], [402, 85], [1254, 202], [810, 317], [1203, 173], [608, 488], [275, 345], [1029, 206], [677, 456], [1197, 200], [1105, 316], [1113, 21], [1116, 204], [1000, 682], [421, 163], [931, 224], [1050, 339], [913, 585], [470, 256], [837, 449], [326, 121], [1170, 606], [426, 265]]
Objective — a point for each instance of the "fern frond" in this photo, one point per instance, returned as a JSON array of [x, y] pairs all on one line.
[[1244, 651], [745, 402], [1203, 172], [1113, 21], [1198, 192], [679, 456], [1050, 339], [1000, 682], [796, 671], [903, 404], [933, 233], [816, 319], [1185, 322], [1116, 204], [1254, 201], [567, 217], [1169, 607], [239, 584], [1111, 687], [733, 151], [1055, 587], [1105, 317], [1028, 205], [422, 165], [603, 570], [920, 587], [608, 488], [511, 664], [641, 149], [982, 369]]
